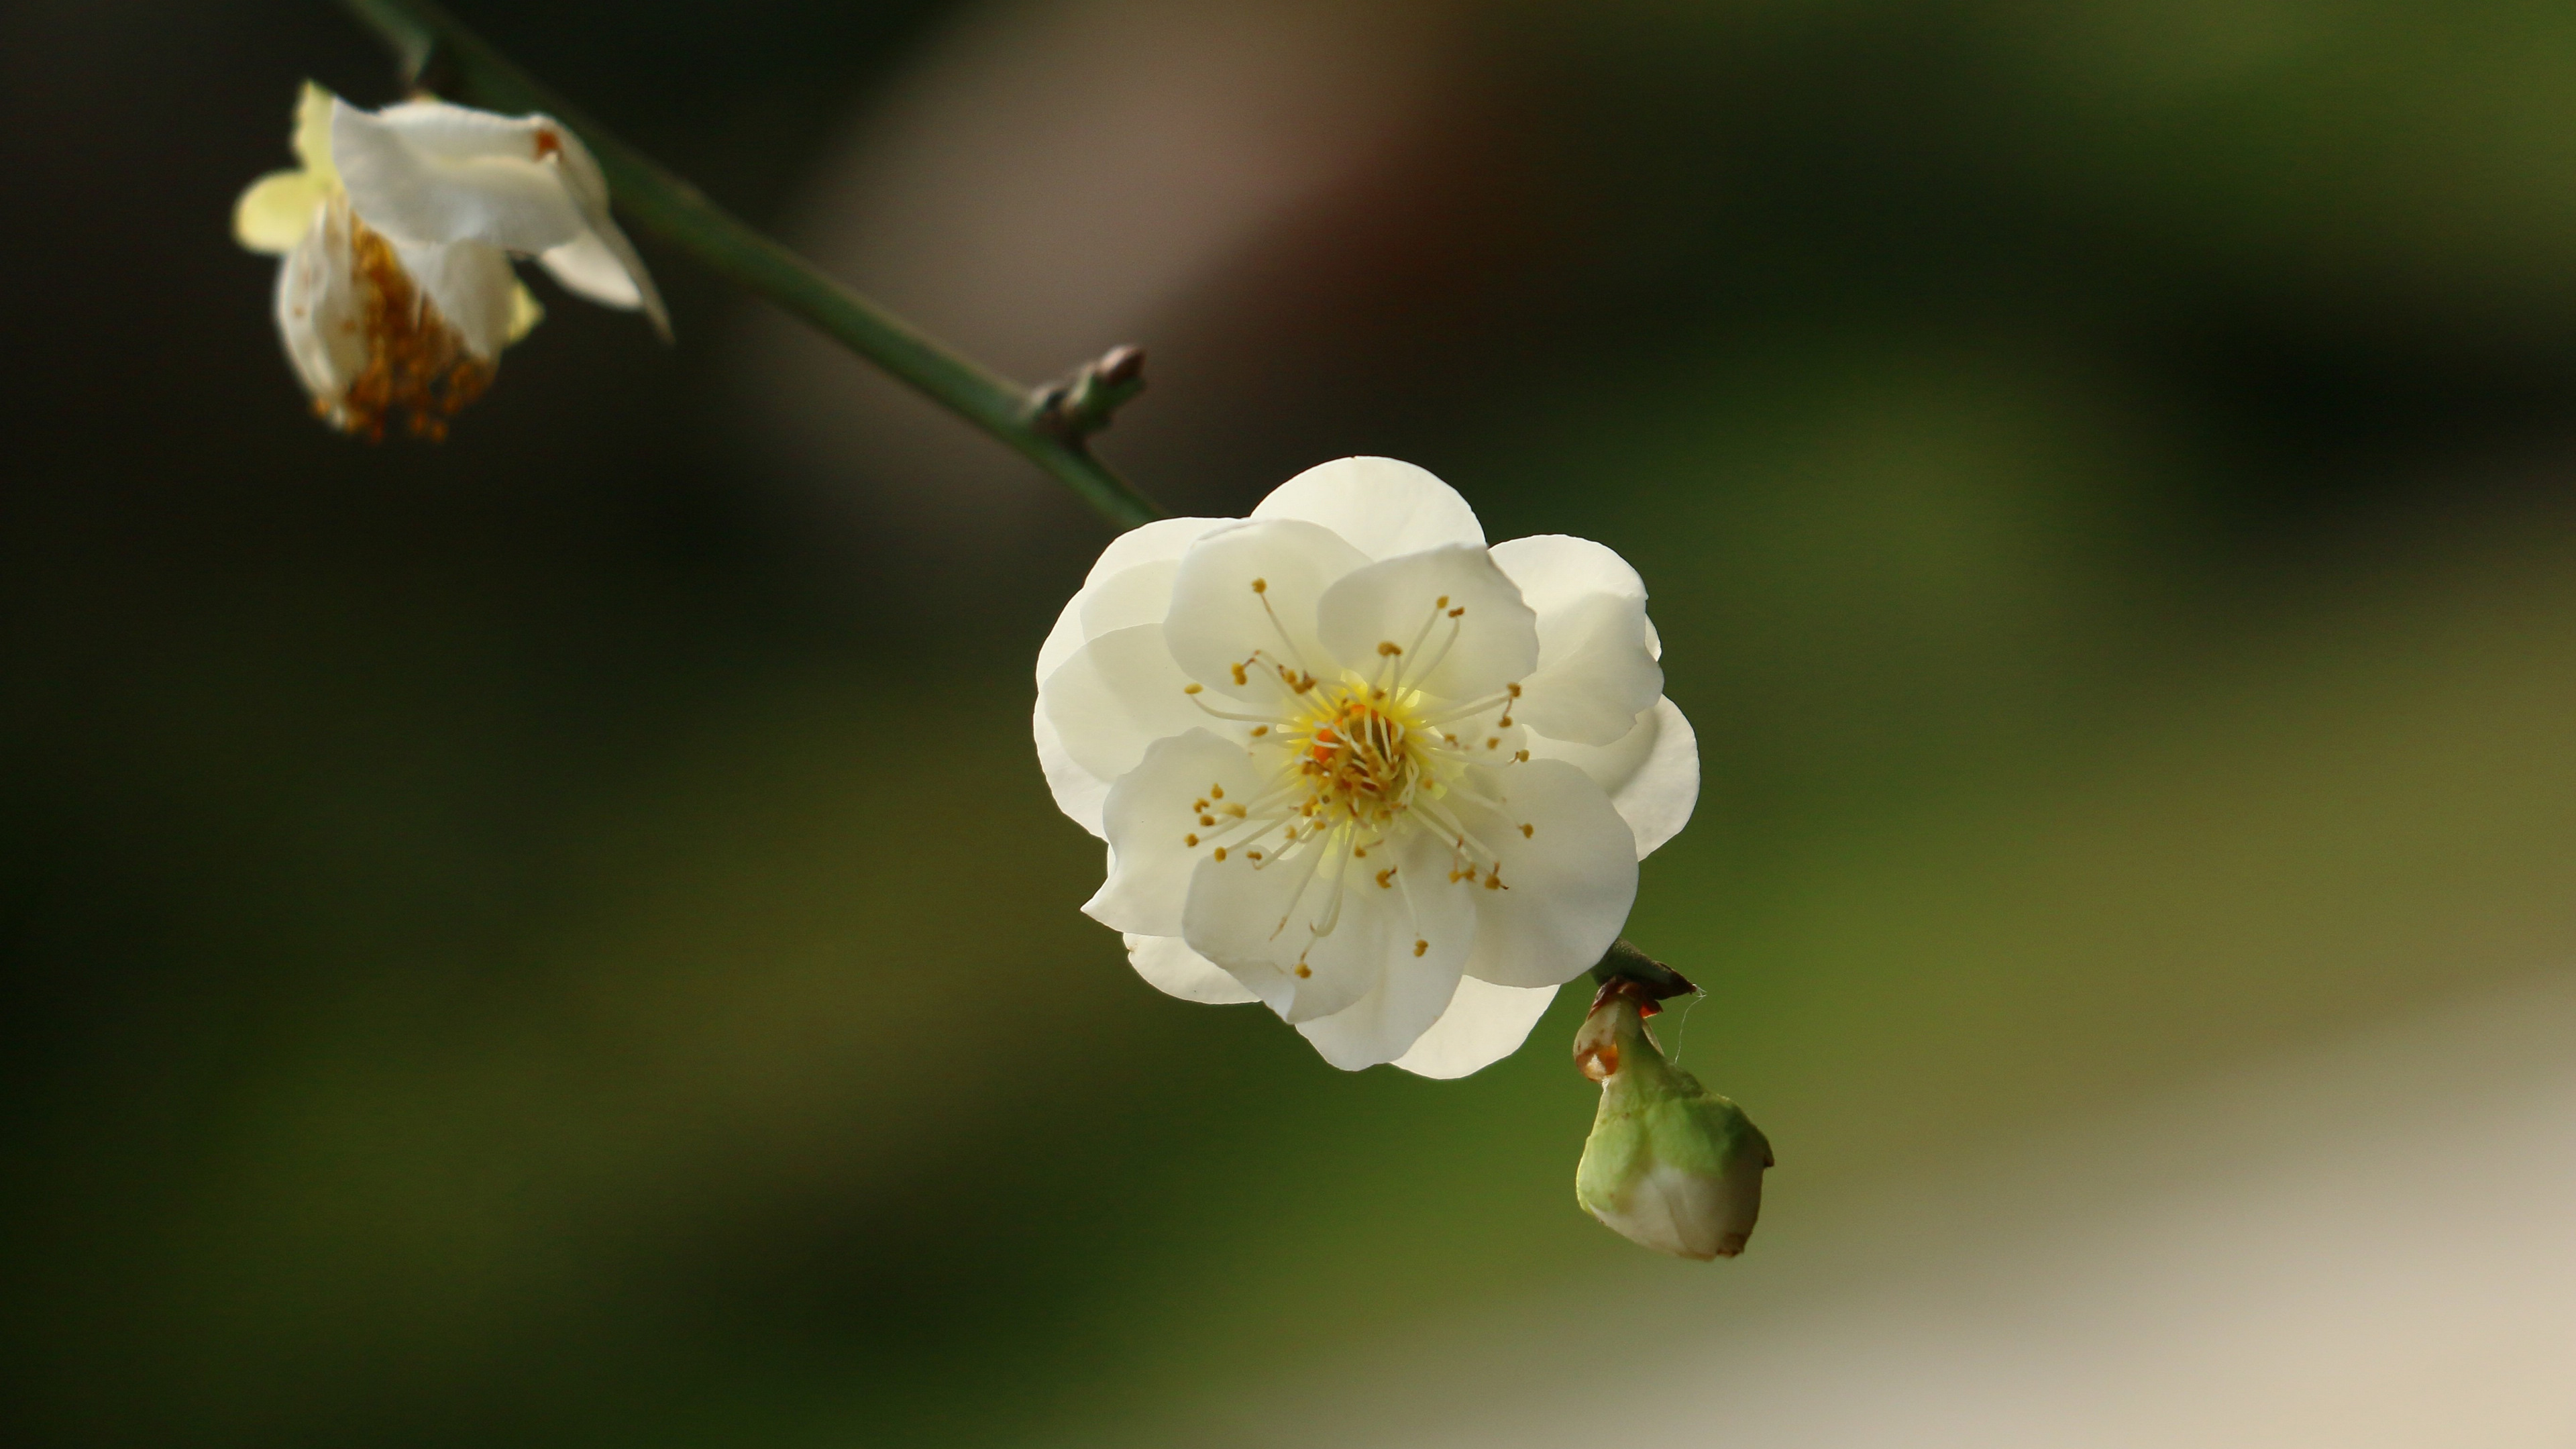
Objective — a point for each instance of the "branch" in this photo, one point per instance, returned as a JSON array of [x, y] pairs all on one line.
[[1047, 426]]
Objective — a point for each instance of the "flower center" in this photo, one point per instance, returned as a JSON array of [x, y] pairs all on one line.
[[1361, 754], [1360, 763], [417, 365]]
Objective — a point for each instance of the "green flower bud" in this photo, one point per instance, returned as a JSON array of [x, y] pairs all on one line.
[[1670, 1165]]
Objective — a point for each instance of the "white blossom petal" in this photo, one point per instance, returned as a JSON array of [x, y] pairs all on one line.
[[426, 171], [1450, 606], [471, 285], [1250, 587], [1594, 675], [1597, 666], [1140, 595], [1383, 507], [1169, 965], [1080, 794], [1568, 865], [1117, 695], [602, 266], [1319, 926], [1063, 639], [1162, 539], [590, 266], [1148, 822], [1556, 569], [321, 308], [1387, 1022], [1651, 773], [1484, 1024]]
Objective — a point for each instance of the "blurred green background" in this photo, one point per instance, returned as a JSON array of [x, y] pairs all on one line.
[[558, 938]]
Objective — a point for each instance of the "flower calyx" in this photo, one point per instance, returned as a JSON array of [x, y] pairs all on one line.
[[1649, 980]]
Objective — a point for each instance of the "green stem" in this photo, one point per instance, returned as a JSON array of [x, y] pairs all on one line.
[[431, 46]]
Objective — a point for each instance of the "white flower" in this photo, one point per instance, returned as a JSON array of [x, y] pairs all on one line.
[[1353, 763], [396, 294]]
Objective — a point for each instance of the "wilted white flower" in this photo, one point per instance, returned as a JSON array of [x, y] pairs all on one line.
[[1354, 764], [1670, 1165], [396, 294]]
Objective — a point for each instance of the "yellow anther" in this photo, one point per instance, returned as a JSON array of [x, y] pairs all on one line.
[[1191, 688], [1493, 744], [1386, 878], [1198, 805], [1207, 820], [1386, 647], [1261, 586], [1259, 730], [1304, 970], [1528, 830], [1521, 755], [1190, 840], [1216, 792], [1493, 882], [1456, 612], [1252, 855], [1505, 722], [1441, 603], [1220, 852], [1239, 676], [1421, 946], [1513, 690]]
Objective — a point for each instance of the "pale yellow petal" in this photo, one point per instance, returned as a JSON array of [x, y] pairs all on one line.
[[273, 215], [525, 313], [313, 133]]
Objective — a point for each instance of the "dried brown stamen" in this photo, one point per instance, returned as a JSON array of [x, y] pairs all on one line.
[[418, 368]]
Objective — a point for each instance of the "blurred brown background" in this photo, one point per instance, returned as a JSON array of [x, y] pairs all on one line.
[[557, 938]]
